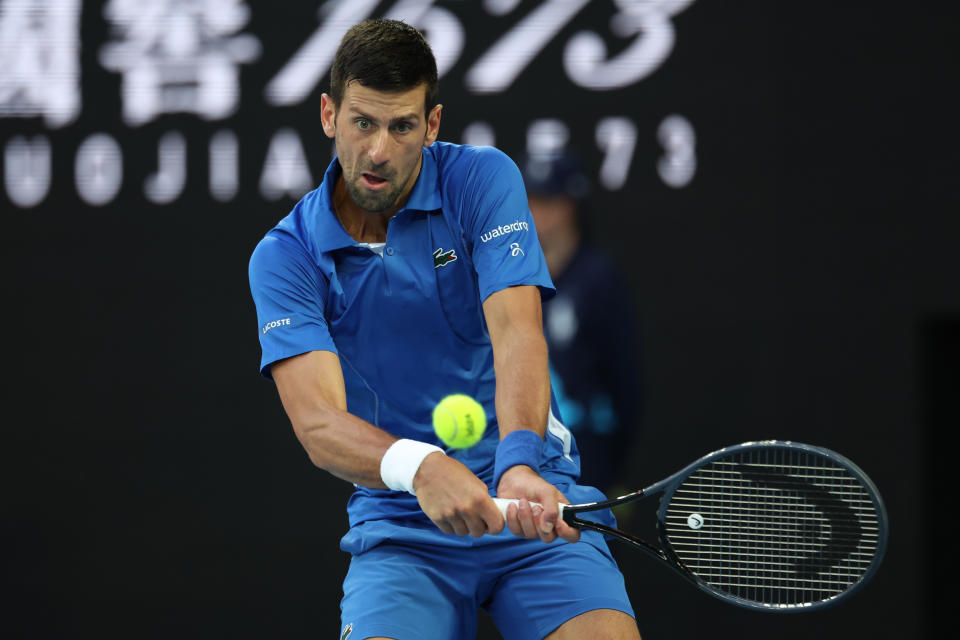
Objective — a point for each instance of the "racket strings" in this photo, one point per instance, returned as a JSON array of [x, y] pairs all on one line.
[[779, 527]]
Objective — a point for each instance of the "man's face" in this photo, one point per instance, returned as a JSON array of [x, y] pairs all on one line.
[[553, 215], [380, 138]]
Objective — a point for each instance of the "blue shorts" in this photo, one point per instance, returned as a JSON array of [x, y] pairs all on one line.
[[418, 582]]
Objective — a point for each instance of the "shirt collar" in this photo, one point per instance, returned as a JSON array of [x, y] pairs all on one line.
[[426, 192], [331, 235]]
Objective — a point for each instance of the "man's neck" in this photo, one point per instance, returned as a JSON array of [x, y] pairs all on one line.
[[362, 226]]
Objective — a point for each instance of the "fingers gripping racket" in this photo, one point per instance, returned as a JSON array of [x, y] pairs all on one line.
[[776, 526]]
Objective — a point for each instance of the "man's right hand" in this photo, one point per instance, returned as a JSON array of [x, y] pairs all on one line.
[[454, 498]]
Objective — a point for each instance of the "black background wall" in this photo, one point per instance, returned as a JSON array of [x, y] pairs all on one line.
[[801, 284]]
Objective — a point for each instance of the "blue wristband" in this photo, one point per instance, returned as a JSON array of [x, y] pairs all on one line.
[[518, 447]]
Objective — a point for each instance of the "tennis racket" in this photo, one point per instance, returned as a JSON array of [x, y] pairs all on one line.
[[773, 525]]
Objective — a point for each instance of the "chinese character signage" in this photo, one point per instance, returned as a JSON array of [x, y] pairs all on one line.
[[167, 102]]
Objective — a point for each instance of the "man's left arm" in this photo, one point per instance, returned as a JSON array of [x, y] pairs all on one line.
[[515, 324]]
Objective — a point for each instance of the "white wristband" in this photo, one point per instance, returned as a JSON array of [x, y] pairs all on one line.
[[401, 461]]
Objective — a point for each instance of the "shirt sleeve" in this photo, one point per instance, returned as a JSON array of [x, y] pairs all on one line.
[[506, 251], [289, 292]]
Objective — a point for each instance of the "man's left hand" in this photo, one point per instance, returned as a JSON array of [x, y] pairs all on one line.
[[527, 520]]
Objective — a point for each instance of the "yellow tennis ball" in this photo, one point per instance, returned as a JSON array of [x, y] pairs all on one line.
[[459, 421]]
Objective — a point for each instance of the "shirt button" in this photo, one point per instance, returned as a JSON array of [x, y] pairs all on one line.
[[389, 251]]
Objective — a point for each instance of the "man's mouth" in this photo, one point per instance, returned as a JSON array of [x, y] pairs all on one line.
[[372, 180]]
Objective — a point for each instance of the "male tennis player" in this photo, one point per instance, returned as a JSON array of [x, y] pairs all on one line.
[[412, 272]]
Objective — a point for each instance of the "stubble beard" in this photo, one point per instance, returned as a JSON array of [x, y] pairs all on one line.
[[373, 201]]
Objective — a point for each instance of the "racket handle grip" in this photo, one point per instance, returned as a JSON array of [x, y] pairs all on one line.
[[503, 503]]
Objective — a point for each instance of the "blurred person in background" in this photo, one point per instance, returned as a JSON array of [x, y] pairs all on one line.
[[590, 325]]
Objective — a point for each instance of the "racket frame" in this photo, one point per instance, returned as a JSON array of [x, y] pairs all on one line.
[[668, 485]]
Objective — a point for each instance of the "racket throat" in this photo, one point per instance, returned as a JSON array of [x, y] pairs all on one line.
[[570, 517]]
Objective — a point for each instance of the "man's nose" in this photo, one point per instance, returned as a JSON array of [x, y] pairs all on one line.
[[379, 151]]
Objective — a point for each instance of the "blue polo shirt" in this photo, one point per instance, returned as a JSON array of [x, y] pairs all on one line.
[[407, 323]]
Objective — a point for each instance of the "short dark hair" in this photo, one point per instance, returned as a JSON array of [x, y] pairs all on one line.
[[386, 55]]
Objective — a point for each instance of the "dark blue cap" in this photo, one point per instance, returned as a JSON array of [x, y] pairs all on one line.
[[554, 174]]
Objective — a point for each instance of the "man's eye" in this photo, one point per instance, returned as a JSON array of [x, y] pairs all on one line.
[[363, 124], [403, 127]]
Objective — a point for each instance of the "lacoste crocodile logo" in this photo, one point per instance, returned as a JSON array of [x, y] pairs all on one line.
[[441, 257]]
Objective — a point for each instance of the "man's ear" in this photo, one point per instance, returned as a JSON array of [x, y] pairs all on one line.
[[328, 115], [433, 125]]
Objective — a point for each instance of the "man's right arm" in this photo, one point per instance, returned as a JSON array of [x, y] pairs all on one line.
[[312, 390], [314, 397]]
